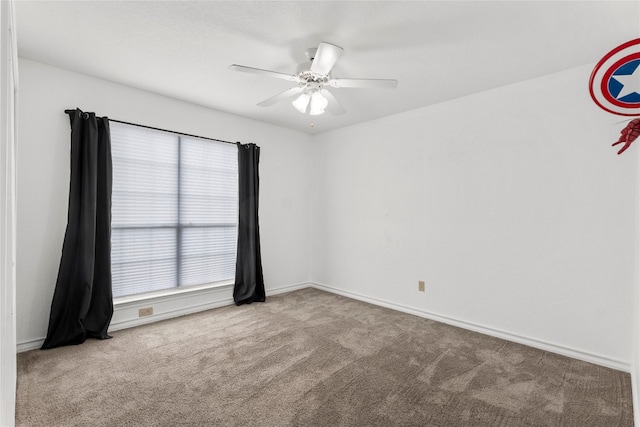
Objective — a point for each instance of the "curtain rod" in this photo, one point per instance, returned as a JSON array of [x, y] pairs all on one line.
[[173, 131], [160, 129]]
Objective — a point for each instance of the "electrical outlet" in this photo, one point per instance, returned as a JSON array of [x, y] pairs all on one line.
[[421, 286], [148, 311]]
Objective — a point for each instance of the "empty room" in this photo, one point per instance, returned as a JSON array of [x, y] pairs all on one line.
[[319, 213]]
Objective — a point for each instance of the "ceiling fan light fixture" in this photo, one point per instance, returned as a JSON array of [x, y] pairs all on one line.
[[318, 104], [302, 102]]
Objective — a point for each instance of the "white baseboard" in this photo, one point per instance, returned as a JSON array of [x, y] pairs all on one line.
[[636, 395], [29, 345], [288, 288], [182, 304], [126, 314], [554, 348]]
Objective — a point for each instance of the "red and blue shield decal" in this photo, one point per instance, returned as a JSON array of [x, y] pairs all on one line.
[[615, 81]]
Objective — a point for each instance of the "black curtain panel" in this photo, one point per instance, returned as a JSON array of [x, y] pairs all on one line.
[[249, 284], [82, 304]]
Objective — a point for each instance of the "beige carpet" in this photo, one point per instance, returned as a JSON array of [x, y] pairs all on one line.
[[310, 358]]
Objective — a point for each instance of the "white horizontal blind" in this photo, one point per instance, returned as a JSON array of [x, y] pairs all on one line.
[[208, 211], [174, 210]]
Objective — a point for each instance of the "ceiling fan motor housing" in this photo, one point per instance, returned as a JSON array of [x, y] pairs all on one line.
[[310, 79]]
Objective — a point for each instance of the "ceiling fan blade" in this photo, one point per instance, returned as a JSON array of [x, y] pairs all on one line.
[[281, 96], [326, 57], [363, 83], [334, 106], [289, 77]]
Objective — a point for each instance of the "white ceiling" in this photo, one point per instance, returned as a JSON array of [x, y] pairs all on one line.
[[437, 50]]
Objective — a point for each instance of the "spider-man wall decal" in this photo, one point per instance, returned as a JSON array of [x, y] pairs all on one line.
[[615, 87], [628, 135]]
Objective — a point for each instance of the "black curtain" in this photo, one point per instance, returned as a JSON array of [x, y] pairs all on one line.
[[82, 304], [249, 284]]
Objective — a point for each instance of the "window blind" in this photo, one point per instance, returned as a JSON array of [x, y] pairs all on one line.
[[174, 210]]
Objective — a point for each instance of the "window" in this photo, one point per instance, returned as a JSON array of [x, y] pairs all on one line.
[[174, 210]]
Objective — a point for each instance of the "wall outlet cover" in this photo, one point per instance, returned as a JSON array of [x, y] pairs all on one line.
[[147, 311]]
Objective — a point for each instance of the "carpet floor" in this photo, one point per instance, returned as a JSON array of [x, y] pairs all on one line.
[[311, 358]]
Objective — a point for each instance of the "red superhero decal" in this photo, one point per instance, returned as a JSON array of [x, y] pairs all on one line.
[[628, 135], [615, 87]]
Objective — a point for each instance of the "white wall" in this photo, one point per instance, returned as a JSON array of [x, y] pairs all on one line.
[[43, 183], [8, 86], [511, 205]]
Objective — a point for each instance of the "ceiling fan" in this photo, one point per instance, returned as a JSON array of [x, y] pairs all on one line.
[[313, 80]]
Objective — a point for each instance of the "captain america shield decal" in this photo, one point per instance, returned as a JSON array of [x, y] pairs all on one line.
[[615, 81]]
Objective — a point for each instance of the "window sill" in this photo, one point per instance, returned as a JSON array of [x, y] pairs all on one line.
[[151, 296]]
